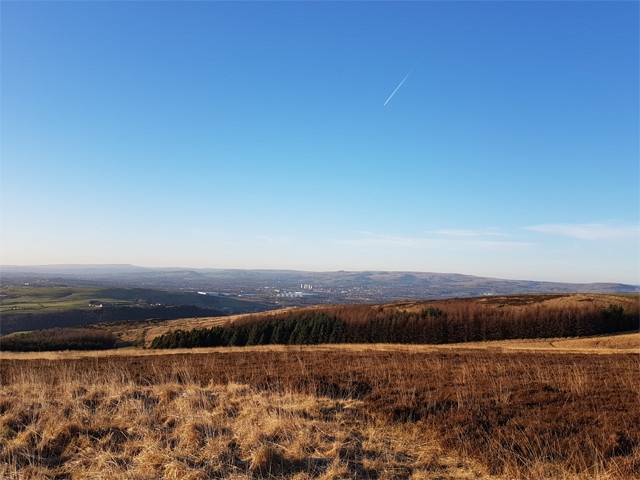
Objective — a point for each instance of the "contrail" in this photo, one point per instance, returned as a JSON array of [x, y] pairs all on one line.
[[399, 85]]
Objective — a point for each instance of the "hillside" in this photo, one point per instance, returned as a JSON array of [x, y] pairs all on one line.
[[144, 333], [31, 307], [444, 321], [435, 322], [298, 288]]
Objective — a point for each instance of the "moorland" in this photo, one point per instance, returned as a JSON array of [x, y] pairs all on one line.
[[489, 410], [470, 404]]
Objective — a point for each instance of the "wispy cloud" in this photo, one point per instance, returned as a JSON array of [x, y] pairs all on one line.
[[275, 240], [442, 240], [378, 240], [464, 233], [590, 231]]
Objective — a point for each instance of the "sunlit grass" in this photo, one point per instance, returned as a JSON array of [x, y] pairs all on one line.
[[357, 411]]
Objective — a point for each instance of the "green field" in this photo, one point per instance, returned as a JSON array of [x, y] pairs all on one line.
[[29, 307], [26, 299], [35, 299]]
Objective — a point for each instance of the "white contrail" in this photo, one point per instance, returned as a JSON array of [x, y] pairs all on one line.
[[399, 85]]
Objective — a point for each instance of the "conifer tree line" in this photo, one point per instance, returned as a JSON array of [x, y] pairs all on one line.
[[447, 322], [307, 328], [58, 339]]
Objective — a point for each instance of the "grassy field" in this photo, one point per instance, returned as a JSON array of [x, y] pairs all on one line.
[[26, 299], [27, 308], [513, 409], [36, 299]]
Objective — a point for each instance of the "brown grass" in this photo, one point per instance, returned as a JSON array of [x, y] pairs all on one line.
[[604, 344], [362, 411]]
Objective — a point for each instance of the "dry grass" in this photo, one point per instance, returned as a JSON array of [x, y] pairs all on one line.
[[107, 425], [358, 411], [604, 344], [601, 344], [628, 341]]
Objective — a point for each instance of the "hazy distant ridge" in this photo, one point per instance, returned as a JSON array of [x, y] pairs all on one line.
[[330, 287]]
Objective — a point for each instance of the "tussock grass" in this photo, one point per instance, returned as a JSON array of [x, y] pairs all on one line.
[[321, 412]]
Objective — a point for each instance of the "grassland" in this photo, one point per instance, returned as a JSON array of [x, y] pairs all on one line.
[[531, 408], [493, 410], [26, 308], [24, 299], [37, 299]]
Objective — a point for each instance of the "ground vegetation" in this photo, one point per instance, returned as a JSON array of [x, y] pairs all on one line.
[[302, 412]]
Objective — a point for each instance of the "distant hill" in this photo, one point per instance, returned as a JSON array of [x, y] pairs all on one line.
[[291, 287]]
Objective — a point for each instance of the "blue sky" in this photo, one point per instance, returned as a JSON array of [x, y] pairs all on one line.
[[256, 135]]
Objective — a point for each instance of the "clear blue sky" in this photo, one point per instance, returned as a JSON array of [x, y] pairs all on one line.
[[256, 135]]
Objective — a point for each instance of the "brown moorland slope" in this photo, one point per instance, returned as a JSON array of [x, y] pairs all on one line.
[[511, 306]]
